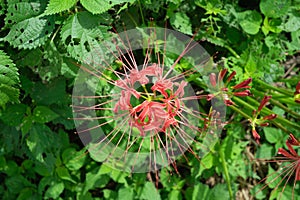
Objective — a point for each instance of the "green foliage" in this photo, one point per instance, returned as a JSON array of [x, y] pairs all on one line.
[[9, 80], [43, 43], [56, 6]]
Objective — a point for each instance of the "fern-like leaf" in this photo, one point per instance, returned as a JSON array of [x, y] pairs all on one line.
[[101, 6], [56, 6], [9, 80]]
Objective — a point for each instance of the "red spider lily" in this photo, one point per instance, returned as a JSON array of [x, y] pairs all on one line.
[[291, 165], [150, 115], [226, 92], [261, 121]]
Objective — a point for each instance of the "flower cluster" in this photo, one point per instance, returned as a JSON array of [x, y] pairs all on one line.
[[292, 155], [262, 121], [156, 110], [240, 89]]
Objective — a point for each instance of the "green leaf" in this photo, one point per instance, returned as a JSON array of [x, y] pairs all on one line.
[[100, 6], [55, 190], [149, 192], [16, 119], [200, 191], [274, 8], [81, 34], [30, 33], [181, 22], [56, 6], [43, 114], [274, 135], [293, 22], [72, 159], [250, 21], [126, 192], [9, 79], [56, 92], [64, 174], [95, 178], [20, 11]]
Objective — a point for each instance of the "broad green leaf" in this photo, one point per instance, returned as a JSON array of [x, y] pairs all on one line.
[[250, 21], [54, 187], [149, 192], [94, 178], [175, 194], [9, 79], [181, 22], [16, 183], [43, 114], [40, 140], [293, 22], [200, 191], [54, 190], [26, 193], [265, 152], [81, 34], [30, 33], [273, 135], [109, 194], [274, 8], [126, 192], [16, 119], [219, 191], [101, 6], [72, 159], [56, 6], [64, 174]]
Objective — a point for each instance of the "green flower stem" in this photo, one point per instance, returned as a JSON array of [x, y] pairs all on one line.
[[277, 103], [240, 112], [280, 90], [225, 168], [266, 111]]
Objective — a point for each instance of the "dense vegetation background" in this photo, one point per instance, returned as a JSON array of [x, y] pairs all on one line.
[[41, 43]]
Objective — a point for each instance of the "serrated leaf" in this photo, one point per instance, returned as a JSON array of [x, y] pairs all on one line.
[[81, 33], [9, 78], [250, 21], [43, 114], [30, 33], [181, 22], [100, 6], [56, 6], [54, 190], [274, 8], [19, 11]]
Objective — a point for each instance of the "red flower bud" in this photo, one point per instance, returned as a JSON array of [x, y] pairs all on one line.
[[297, 89], [212, 78], [242, 94], [293, 141], [244, 84], [231, 76], [264, 102], [228, 102], [264, 124], [256, 136], [270, 117], [222, 74], [209, 97]]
